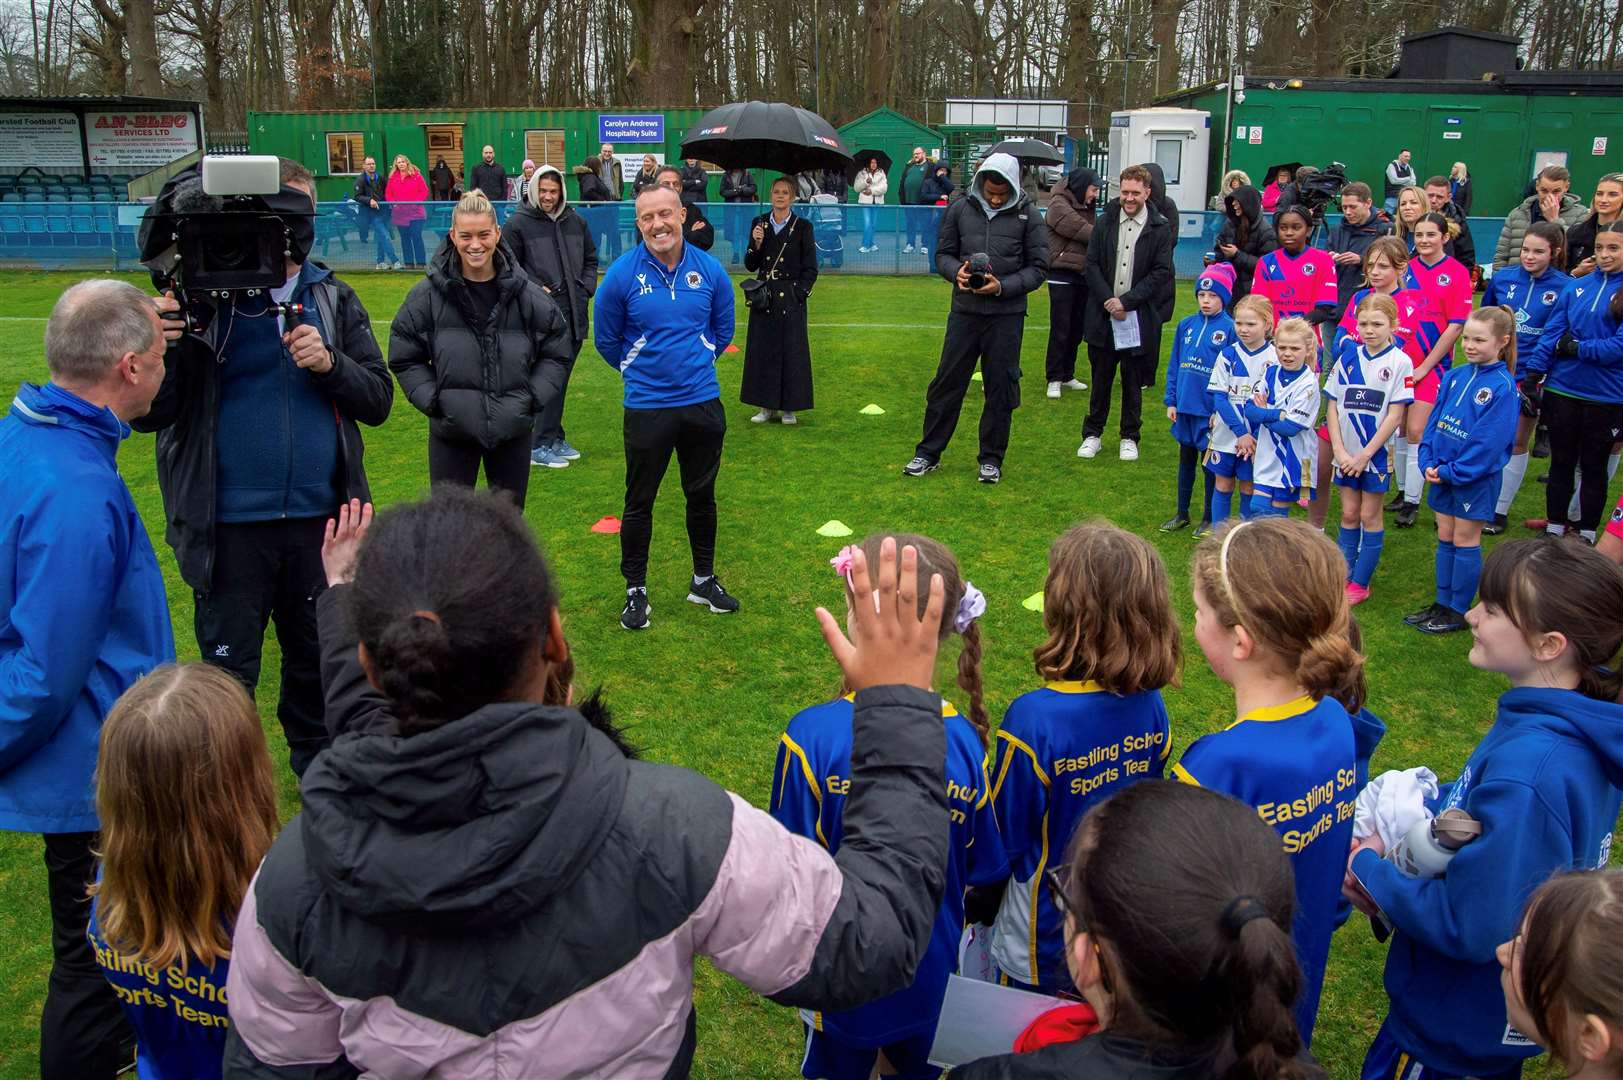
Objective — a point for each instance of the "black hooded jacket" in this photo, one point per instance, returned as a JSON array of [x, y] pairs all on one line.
[[1244, 205], [559, 254], [1012, 236], [1162, 201], [480, 384]]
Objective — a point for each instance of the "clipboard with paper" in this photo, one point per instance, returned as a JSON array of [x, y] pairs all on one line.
[[1125, 334], [983, 1019]]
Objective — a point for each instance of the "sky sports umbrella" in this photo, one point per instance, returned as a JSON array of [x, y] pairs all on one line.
[[766, 135], [860, 162], [1028, 152]]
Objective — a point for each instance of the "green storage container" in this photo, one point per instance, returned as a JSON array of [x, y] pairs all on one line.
[[888, 130]]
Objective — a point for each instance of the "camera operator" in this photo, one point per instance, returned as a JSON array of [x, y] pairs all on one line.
[[988, 311], [1351, 237], [257, 445]]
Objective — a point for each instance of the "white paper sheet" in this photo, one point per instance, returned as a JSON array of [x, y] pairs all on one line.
[[1125, 334], [980, 1019]]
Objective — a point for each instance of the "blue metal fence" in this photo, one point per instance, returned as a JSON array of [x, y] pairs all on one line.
[[851, 239]]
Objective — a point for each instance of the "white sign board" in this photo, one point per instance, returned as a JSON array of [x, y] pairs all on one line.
[[1256, 135], [1242, 133], [631, 166], [47, 139], [138, 140], [1599, 147]]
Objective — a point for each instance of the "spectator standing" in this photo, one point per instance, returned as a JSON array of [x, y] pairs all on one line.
[[1245, 237], [82, 616], [1130, 278], [521, 186], [1551, 201], [489, 177], [407, 191], [1606, 208], [369, 196], [935, 194], [1351, 237], [1459, 187], [696, 228], [1235, 178], [872, 184], [248, 488], [833, 182], [554, 246], [1072, 209], [601, 212], [647, 176], [608, 170], [695, 181], [1270, 192], [915, 222], [442, 181], [738, 192], [777, 353], [664, 313], [1460, 246], [1399, 175], [988, 317], [480, 350]]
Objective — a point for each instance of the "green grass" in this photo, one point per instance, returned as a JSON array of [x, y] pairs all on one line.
[[713, 693]]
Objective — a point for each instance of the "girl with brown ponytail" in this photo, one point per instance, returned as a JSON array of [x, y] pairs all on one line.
[[1271, 617], [810, 784], [1178, 909]]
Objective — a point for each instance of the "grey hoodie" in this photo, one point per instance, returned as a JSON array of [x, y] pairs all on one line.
[[1013, 235]]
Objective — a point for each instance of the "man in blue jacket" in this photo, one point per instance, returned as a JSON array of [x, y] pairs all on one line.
[[664, 313], [82, 616]]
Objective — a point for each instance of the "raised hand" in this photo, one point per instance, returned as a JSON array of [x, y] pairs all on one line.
[[343, 540], [890, 642]]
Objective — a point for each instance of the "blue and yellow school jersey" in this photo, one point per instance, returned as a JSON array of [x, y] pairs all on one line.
[[1061, 750], [1296, 764], [810, 783]]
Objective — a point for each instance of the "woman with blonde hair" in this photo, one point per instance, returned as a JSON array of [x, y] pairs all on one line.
[[406, 191], [187, 799], [1459, 187]]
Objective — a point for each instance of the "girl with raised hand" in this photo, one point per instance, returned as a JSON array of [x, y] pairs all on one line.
[[489, 883], [1097, 725], [1178, 907], [1369, 386], [1271, 617], [811, 785], [1580, 356], [1563, 972], [187, 799], [1463, 454], [1530, 289], [1444, 288], [1543, 783]]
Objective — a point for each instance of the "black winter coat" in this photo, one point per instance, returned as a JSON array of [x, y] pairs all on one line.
[[1345, 237], [186, 416], [1152, 291], [1097, 1057], [696, 228], [737, 185], [593, 189], [777, 351], [561, 257], [1162, 202], [695, 182], [480, 384], [1245, 201], [1015, 238], [490, 179]]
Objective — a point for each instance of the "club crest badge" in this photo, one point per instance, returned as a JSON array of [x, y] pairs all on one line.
[[694, 279], [1548, 298], [1483, 396]]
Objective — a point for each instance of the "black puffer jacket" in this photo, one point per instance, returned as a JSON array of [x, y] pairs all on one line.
[[478, 383], [1245, 202], [558, 253], [1014, 237]]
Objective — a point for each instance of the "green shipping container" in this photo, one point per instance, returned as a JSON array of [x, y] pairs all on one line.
[[1504, 130], [332, 144], [888, 130]]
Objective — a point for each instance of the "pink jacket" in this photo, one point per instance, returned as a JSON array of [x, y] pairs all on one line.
[[406, 188]]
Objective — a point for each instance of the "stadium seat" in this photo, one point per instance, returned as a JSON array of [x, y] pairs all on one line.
[[37, 230], [61, 229], [11, 227]]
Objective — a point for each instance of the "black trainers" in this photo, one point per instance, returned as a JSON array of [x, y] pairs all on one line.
[[710, 593], [1541, 442], [634, 616], [1407, 515], [1397, 500], [1542, 478], [1497, 526], [1174, 523], [919, 466], [1446, 621], [1425, 614], [1203, 530], [990, 474]]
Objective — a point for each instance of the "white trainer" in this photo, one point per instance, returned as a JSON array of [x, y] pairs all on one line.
[[1090, 447], [1129, 450], [1053, 389], [1075, 384]]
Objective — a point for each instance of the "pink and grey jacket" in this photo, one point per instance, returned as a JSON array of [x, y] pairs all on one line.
[[510, 895]]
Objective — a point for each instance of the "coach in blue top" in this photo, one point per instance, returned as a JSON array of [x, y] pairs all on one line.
[[82, 616], [664, 313]]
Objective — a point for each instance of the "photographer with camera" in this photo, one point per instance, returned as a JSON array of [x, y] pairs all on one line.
[[993, 247], [258, 434]]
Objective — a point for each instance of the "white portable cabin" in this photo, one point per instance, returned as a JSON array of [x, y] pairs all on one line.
[[1178, 140]]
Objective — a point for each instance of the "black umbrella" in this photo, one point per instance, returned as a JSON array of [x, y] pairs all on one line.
[[860, 162], [766, 135], [1028, 152], [1273, 171]]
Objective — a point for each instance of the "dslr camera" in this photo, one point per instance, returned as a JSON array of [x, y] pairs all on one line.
[[225, 228], [1320, 189], [980, 270]]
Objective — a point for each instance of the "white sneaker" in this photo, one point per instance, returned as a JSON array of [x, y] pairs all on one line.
[[908, 250], [1075, 384], [381, 266], [1090, 447], [1129, 450], [789, 418], [761, 417], [1053, 390]]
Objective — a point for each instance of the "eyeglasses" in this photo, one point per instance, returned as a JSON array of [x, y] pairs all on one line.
[[1058, 879]]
